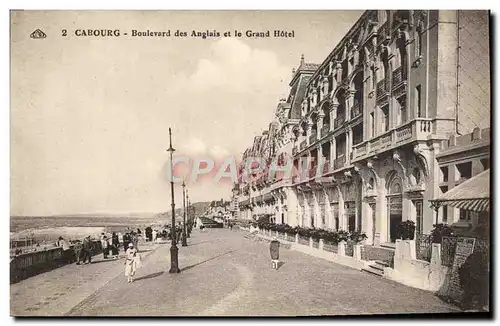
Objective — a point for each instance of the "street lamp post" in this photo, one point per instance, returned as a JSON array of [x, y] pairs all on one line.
[[189, 218], [174, 251], [184, 239]]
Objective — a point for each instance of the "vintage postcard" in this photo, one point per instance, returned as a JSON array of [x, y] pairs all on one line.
[[250, 163]]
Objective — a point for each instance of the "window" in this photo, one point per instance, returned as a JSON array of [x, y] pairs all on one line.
[[486, 163], [385, 118], [418, 102], [445, 214], [374, 78], [357, 134], [418, 42], [402, 109], [465, 170], [465, 215], [372, 124], [444, 174]]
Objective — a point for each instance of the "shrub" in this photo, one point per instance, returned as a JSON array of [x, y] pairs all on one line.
[[358, 237], [440, 230], [474, 279], [406, 230], [343, 235]]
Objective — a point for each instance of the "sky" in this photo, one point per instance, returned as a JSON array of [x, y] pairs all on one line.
[[90, 115]]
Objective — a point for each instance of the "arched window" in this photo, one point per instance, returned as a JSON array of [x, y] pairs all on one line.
[[371, 183], [394, 185]]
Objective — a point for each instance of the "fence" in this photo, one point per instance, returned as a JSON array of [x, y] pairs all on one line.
[[316, 243], [370, 253], [303, 240], [424, 247], [349, 249], [331, 247]]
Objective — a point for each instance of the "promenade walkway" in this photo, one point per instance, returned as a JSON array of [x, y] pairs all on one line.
[[56, 292], [224, 274]]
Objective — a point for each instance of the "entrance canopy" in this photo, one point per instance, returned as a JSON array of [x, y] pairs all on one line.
[[471, 195]]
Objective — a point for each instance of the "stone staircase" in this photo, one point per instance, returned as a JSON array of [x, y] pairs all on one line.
[[376, 268]]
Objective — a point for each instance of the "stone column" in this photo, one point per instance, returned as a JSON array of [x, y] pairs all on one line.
[[436, 254], [357, 252], [333, 115], [341, 248], [382, 226], [311, 242], [321, 116], [308, 131], [339, 72], [342, 217], [321, 244], [348, 146], [296, 238]]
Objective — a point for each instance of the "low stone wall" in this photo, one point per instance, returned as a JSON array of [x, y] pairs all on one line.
[[370, 253], [33, 263], [430, 276], [333, 253]]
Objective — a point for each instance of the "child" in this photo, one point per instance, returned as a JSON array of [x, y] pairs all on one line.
[[274, 248]]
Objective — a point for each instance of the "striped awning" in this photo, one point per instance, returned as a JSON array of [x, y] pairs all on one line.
[[471, 195]]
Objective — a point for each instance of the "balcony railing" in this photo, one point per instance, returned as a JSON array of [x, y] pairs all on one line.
[[339, 121], [382, 88], [326, 167], [397, 77], [303, 144], [324, 130], [356, 110], [313, 137], [339, 162], [414, 130], [312, 171]]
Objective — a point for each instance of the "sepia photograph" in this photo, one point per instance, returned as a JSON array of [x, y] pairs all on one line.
[[250, 163]]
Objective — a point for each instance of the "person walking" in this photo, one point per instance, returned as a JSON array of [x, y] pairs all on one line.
[[115, 244], [66, 250], [126, 240], [77, 248], [87, 250], [274, 249], [104, 245], [130, 262]]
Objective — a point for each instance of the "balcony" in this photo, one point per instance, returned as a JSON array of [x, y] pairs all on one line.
[[324, 130], [397, 77], [327, 167], [312, 171], [339, 122], [339, 162], [382, 88], [303, 144], [313, 137], [356, 110], [416, 130]]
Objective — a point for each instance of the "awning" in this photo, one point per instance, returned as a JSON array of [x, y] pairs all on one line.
[[471, 195]]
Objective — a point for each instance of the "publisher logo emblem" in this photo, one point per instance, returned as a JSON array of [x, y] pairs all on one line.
[[38, 34]]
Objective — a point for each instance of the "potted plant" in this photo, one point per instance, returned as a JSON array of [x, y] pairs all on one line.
[[440, 230], [407, 230]]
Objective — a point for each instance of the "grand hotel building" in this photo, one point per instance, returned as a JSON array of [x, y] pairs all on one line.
[[379, 109]]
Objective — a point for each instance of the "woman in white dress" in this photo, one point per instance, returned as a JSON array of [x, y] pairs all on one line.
[[131, 258]]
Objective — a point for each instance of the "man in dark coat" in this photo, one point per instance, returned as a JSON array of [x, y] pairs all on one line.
[[274, 249]]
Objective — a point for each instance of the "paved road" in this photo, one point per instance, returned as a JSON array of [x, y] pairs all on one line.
[[225, 274]]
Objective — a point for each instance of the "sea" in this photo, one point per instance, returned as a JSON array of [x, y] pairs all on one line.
[[50, 228]]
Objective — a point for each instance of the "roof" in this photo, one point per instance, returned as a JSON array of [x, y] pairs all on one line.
[[472, 195]]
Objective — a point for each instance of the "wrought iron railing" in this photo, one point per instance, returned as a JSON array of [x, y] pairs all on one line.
[[424, 247], [448, 246], [382, 88], [356, 110], [339, 121], [339, 162], [397, 77]]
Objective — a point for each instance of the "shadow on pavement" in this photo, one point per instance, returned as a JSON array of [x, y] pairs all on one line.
[[149, 276], [195, 244], [280, 264], [194, 265], [102, 261]]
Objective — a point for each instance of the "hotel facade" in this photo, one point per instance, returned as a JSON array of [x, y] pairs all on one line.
[[377, 112]]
